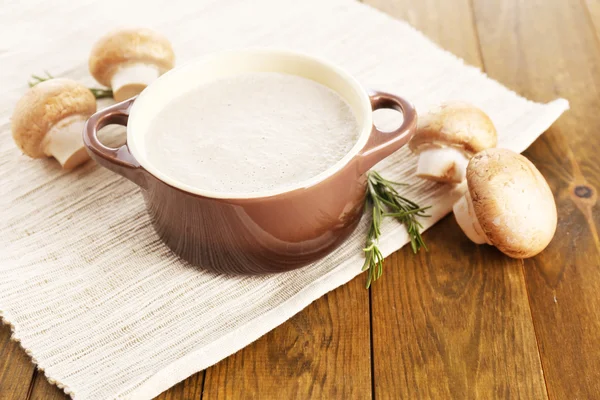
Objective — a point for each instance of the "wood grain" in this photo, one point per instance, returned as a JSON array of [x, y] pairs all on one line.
[[593, 8], [448, 23], [454, 322], [41, 389], [523, 48], [190, 389], [16, 368], [322, 352]]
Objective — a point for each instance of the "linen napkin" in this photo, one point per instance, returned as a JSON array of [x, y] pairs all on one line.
[[100, 304]]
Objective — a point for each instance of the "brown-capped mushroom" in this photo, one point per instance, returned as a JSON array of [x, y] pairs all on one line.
[[48, 121], [128, 60], [508, 204], [446, 138]]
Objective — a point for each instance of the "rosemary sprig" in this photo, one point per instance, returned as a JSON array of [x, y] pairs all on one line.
[[98, 93], [385, 201], [101, 93]]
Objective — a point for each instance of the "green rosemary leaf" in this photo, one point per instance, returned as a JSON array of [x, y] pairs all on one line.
[[377, 177], [404, 213], [99, 93], [385, 201]]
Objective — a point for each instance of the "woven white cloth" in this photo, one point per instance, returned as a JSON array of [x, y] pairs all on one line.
[[100, 304]]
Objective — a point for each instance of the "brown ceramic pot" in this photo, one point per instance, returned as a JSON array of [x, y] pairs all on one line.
[[252, 233]]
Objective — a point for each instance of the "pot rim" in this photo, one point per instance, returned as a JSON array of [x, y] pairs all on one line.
[[232, 62]]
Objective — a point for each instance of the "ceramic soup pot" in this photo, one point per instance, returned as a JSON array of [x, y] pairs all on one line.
[[261, 232]]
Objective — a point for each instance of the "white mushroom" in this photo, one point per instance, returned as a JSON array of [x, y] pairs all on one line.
[[128, 60], [446, 138], [48, 121], [508, 204]]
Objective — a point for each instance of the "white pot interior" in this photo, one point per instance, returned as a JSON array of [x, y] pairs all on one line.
[[185, 78]]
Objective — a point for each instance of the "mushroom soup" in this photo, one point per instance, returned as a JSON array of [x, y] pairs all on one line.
[[251, 132]]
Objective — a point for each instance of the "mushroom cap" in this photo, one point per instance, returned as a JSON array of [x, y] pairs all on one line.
[[44, 105], [125, 46], [512, 202], [456, 124]]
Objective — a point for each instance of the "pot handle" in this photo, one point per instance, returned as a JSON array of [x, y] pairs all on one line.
[[382, 144], [119, 160]]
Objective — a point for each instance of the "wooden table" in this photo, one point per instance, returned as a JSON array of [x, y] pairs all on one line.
[[460, 321]]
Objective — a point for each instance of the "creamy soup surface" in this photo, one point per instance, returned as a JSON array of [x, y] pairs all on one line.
[[251, 132]]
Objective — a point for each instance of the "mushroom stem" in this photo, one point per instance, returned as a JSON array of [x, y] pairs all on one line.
[[64, 141], [467, 220], [443, 164], [131, 79]]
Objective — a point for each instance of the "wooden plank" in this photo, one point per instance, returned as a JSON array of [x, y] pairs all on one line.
[[545, 49], [454, 322], [16, 370], [190, 389], [448, 23], [593, 8], [322, 352], [44, 390]]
